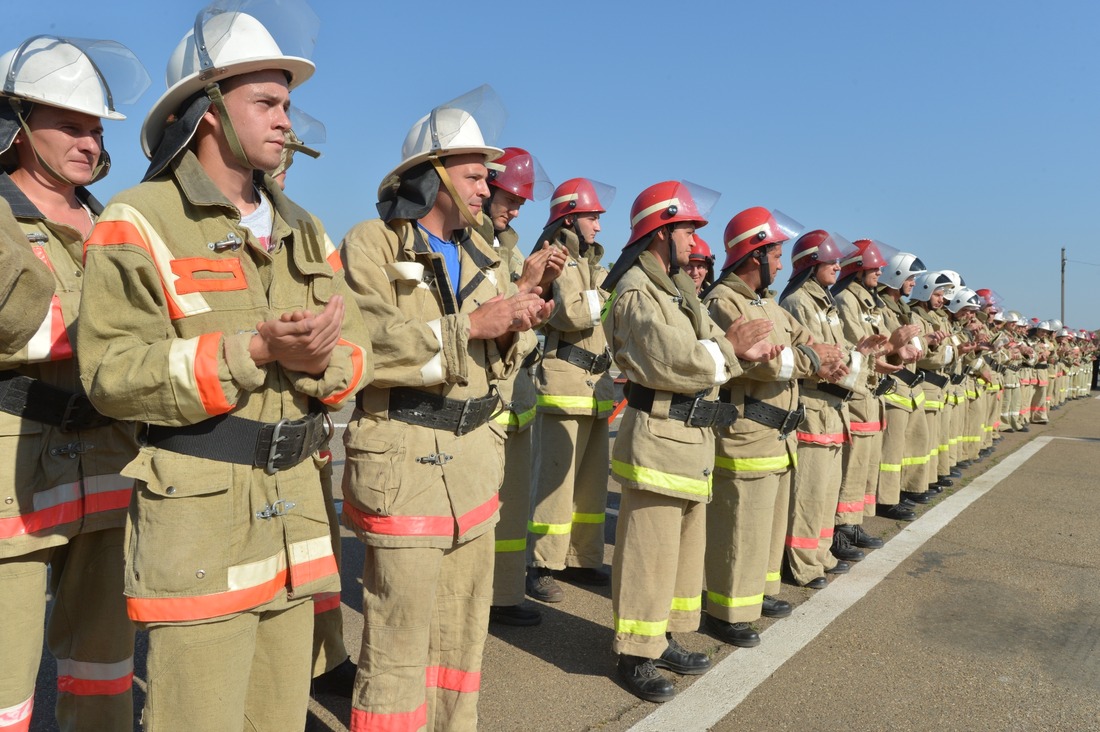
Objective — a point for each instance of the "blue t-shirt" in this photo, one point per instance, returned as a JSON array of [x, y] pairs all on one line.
[[449, 250]]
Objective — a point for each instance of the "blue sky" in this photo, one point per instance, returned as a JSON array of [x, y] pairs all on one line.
[[965, 132]]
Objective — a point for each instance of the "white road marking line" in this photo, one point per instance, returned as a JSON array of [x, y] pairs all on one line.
[[713, 696]]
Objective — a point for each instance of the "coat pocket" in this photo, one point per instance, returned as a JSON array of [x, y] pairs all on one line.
[[181, 526], [372, 474]]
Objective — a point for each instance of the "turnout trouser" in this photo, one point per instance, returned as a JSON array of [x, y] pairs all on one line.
[[657, 570], [329, 649], [426, 617], [511, 531], [88, 633], [746, 535], [814, 492], [567, 516], [245, 671]]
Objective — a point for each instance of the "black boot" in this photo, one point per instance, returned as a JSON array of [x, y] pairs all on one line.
[[858, 537], [896, 512], [736, 634], [335, 682], [773, 607], [679, 659], [644, 680], [842, 548]]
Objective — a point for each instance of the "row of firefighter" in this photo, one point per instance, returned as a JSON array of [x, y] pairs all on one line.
[[169, 362]]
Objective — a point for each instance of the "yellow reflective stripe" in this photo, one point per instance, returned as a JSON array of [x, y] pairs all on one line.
[[923, 460], [933, 404], [889, 467], [658, 479], [605, 405], [953, 441], [919, 399], [735, 601], [943, 448], [772, 577], [900, 400], [754, 465], [650, 628], [512, 419], [571, 402], [511, 545], [687, 604], [588, 518], [549, 529]]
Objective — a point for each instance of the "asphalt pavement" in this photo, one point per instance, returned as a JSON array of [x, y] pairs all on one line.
[[983, 614]]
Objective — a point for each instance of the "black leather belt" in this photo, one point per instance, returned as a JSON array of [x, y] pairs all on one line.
[[459, 416], [934, 379], [825, 386], [999, 368], [593, 363], [1042, 366], [271, 446], [886, 385], [909, 378], [957, 379], [769, 416], [39, 402], [691, 409]]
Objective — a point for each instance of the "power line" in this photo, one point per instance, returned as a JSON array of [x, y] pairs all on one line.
[[1077, 261]]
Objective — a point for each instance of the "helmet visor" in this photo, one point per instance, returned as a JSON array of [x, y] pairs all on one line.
[[449, 122]]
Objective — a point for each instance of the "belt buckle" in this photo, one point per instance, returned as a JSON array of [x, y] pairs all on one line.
[[918, 380], [460, 428], [791, 421], [272, 454], [70, 413], [690, 421]]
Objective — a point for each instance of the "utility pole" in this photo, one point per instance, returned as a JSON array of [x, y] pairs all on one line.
[[1063, 315]]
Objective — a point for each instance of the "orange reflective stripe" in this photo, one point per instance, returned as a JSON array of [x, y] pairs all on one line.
[[813, 439], [849, 506], [87, 678], [311, 560], [334, 260], [116, 233], [802, 542], [827, 532], [870, 500], [422, 525], [17, 718], [325, 601], [209, 384], [866, 426], [357, 361], [479, 515], [199, 607], [452, 679], [106, 493], [186, 282], [364, 721], [59, 505]]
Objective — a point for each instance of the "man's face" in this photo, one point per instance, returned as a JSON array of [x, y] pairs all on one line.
[[469, 176], [70, 142], [826, 273], [683, 241], [870, 278], [907, 286], [503, 208], [936, 301], [697, 270], [587, 226], [257, 105], [775, 258]]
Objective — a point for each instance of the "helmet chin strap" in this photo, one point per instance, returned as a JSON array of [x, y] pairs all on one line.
[[445, 178], [103, 165], [673, 265], [214, 93], [761, 256]]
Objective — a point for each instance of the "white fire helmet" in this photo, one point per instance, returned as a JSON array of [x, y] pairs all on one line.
[[963, 298]]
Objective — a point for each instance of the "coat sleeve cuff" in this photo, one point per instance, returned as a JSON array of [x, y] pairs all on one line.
[[242, 369]]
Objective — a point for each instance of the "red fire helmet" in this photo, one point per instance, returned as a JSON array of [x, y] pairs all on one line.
[[864, 256], [754, 228], [812, 248], [670, 202], [518, 172], [700, 251], [580, 195]]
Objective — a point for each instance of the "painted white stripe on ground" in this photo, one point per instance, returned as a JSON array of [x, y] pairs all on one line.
[[715, 695]]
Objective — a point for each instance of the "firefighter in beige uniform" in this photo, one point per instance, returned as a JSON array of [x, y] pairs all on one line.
[[213, 315], [333, 671], [575, 397], [26, 286], [815, 259], [63, 501], [425, 458], [674, 358], [514, 178], [756, 456], [860, 314]]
